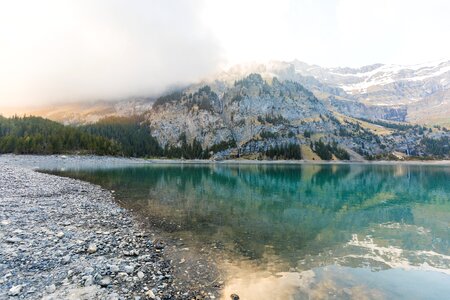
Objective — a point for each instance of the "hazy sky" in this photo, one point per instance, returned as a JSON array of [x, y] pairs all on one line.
[[92, 49]]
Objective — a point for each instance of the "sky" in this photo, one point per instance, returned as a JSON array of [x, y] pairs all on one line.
[[77, 50]]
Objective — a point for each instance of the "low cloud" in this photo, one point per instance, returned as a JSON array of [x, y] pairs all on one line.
[[65, 51]]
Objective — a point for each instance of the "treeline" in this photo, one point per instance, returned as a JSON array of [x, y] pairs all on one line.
[[204, 98], [272, 119], [326, 151], [399, 126], [133, 136], [186, 150], [36, 135], [288, 151], [117, 136], [437, 147], [170, 98]]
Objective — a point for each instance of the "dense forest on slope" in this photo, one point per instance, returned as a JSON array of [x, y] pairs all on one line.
[[119, 136], [438, 147], [326, 151], [109, 136], [35, 135], [134, 138]]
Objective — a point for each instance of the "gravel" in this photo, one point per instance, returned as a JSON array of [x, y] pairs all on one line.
[[62, 238]]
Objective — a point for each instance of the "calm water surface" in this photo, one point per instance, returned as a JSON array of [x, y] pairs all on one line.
[[303, 231]]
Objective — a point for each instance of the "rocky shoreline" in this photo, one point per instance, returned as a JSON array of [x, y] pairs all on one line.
[[62, 238]]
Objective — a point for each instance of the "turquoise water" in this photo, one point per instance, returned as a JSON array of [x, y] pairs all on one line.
[[303, 231]]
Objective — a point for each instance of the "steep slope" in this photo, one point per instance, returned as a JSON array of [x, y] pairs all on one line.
[[251, 106], [424, 88], [252, 116], [415, 93], [330, 93]]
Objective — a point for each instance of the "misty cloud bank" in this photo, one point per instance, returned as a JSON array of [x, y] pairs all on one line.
[[72, 50], [55, 51]]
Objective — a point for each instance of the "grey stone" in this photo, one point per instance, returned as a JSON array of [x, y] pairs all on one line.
[[92, 248], [15, 290], [128, 269], [105, 281], [51, 288], [114, 268]]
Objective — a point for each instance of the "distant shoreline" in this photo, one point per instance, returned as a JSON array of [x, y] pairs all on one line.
[[66, 160], [297, 162]]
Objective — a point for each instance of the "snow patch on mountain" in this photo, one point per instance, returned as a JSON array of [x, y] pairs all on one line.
[[360, 82]]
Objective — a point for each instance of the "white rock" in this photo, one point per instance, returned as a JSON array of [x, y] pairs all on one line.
[[92, 248], [140, 274], [15, 290], [150, 294], [105, 281]]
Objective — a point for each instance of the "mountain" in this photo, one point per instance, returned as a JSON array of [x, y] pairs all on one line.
[[86, 112], [254, 114], [413, 93], [416, 93], [423, 89], [274, 109], [316, 81]]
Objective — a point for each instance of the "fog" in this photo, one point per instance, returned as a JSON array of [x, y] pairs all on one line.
[[78, 50], [66, 51]]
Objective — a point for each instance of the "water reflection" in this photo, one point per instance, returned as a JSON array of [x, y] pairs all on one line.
[[292, 220]]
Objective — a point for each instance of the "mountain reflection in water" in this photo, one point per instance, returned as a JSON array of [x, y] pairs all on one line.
[[299, 231]]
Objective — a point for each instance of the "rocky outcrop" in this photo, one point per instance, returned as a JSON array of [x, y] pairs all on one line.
[[255, 114], [245, 110], [360, 110]]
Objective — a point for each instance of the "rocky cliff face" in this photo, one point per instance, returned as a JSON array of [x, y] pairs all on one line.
[[318, 80], [423, 89], [251, 106], [253, 114], [415, 93], [360, 110]]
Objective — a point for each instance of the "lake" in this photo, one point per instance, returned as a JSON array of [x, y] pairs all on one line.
[[304, 231]]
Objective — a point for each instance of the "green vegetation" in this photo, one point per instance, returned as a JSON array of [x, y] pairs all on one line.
[[272, 119], [269, 135], [110, 136], [224, 145], [237, 98], [326, 151], [170, 98], [250, 80], [398, 126], [383, 156], [288, 151], [291, 134], [186, 150], [344, 132], [204, 98], [437, 147], [307, 134], [35, 135], [133, 136]]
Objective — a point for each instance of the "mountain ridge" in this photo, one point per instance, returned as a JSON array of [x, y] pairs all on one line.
[[257, 115], [377, 91]]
